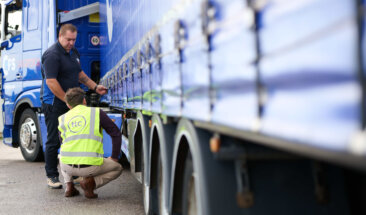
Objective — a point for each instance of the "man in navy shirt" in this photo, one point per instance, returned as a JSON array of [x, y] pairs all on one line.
[[61, 70]]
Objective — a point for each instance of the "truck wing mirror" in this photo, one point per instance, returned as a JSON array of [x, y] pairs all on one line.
[[16, 39], [4, 44]]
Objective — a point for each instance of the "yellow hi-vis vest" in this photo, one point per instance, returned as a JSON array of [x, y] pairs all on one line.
[[81, 136]]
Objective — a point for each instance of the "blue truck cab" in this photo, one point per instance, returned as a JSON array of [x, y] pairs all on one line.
[[21, 73], [29, 28]]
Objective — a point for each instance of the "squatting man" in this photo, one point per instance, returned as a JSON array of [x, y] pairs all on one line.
[[81, 151]]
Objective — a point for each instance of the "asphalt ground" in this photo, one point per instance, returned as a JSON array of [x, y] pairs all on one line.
[[23, 190]]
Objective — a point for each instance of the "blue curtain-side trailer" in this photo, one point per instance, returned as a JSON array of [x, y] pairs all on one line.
[[225, 106]]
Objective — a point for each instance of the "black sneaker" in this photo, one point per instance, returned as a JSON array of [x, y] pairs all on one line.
[[54, 183]]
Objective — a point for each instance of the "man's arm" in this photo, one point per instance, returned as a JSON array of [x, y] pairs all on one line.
[[84, 79], [55, 88], [111, 128]]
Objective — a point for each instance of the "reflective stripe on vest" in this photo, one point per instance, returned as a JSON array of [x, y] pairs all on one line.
[[62, 126], [81, 154]]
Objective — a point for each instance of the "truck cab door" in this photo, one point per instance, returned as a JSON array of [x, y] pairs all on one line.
[[32, 44], [11, 59]]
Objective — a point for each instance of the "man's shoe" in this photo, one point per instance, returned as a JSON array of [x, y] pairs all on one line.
[[71, 190], [77, 179], [54, 183], [88, 185]]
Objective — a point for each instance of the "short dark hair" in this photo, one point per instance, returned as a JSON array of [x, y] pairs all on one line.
[[74, 96], [67, 27]]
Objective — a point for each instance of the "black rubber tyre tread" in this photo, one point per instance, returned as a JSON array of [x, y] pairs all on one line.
[[188, 173]]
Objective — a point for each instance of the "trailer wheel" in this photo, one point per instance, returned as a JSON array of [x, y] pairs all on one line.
[[160, 182], [202, 184], [162, 137], [156, 190], [141, 151], [189, 199], [145, 189], [29, 136]]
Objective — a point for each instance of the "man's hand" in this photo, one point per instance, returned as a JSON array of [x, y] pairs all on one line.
[[113, 159], [84, 79], [101, 90]]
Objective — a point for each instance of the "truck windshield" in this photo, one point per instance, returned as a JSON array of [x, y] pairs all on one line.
[[13, 19], [12, 23]]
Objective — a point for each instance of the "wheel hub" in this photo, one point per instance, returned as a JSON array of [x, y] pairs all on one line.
[[28, 135]]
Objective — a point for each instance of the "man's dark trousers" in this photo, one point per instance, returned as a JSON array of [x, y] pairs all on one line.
[[51, 113]]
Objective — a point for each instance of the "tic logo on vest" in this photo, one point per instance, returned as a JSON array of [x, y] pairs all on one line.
[[76, 124]]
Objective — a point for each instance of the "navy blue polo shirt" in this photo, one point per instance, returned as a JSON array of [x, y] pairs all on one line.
[[64, 67]]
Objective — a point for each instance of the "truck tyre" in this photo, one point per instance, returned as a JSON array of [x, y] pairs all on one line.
[[30, 136], [145, 189], [202, 184], [189, 197], [156, 190], [161, 139], [160, 186], [141, 139]]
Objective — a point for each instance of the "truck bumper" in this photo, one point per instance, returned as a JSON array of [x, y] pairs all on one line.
[[7, 135]]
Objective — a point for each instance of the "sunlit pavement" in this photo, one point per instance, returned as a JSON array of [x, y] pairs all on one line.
[[23, 190]]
